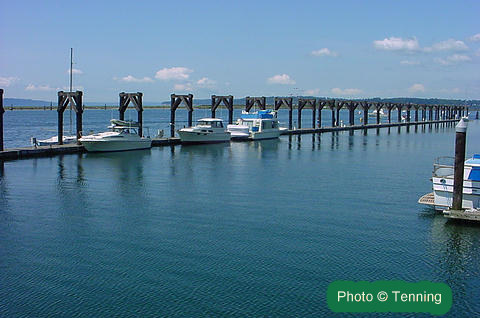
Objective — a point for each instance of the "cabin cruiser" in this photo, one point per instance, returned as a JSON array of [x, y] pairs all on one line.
[[262, 124], [207, 130], [443, 171], [123, 135]]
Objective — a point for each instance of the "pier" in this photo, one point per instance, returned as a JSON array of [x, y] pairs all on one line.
[[430, 114]]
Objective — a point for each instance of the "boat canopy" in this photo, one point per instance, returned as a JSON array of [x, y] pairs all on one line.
[[261, 114], [475, 161], [209, 120], [124, 123]]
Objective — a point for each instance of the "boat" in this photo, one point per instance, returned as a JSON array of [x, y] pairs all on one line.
[[207, 130], [262, 124], [122, 136], [373, 113], [53, 141], [442, 179]]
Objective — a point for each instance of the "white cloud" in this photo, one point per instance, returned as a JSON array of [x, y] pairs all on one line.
[[475, 38], [346, 91], [415, 88], [453, 59], [173, 73], [206, 82], [283, 79], [324, 52], [32, 87], [312, 92], [182, 87], [75, 71], [448, 45], [407, 62], [131, 79], [7, 81], [397, 44]]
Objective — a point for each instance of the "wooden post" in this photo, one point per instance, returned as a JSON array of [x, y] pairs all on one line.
[[79, 113], [173, 108], [416, 113], [299, 115], [476, 116], [230, 109], [378, 107], [332, 108], [314, 113], [2, 111], [399, 113], [321, 104], [366, 106], [60, 110], [460, 144], [389, 108], [287, 101]]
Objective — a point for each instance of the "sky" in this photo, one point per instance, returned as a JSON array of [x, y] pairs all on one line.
[[347, 49]]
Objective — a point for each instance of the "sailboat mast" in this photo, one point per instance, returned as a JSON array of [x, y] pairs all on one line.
[[71, 68], [71, 87]]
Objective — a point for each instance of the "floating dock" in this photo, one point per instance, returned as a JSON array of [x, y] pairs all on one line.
[[47, 151]]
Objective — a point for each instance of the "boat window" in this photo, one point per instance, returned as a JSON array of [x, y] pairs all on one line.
[[220, 124], [274, 124]]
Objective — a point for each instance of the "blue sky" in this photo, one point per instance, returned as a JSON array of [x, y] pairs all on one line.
[[349, 49]]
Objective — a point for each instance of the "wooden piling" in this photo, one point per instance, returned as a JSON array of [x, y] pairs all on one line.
[[460, 145], [2, 111]]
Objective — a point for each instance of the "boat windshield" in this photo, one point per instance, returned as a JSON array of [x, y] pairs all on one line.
[[125, 130], [217, 124]]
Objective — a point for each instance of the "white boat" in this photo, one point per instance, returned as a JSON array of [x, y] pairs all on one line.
[[53, 141], [373, 113], [207, 130], [262, 124], [123, 135], [442, 179]]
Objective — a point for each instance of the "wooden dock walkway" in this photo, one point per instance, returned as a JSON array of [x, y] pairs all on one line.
[[47, 151]]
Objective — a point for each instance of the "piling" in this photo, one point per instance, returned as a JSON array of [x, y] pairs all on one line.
[[137, 101], [2, 111], [460, 145]]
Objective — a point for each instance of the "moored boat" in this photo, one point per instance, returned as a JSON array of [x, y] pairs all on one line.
[[53, 141], [442, 181], [262, 124], [123, 135], [207, 130]]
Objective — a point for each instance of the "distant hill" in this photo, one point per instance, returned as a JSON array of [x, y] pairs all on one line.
[[24, 102], [18, 102]]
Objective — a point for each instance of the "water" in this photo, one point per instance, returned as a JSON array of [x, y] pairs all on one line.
[[21, 125], [254, 229]]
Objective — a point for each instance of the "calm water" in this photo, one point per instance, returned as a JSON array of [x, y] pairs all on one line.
[[255, 229]]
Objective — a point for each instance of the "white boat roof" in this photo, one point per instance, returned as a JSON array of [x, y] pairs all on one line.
[[209, 119]]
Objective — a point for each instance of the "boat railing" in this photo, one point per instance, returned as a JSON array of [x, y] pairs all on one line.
[[443, 166]]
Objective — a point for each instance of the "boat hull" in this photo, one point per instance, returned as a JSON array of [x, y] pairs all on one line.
[[443, 193], [108, 145], [192, 137]]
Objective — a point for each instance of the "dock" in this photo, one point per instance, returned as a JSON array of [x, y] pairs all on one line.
[[54, 150]]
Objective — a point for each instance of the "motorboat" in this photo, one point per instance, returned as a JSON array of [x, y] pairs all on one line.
[[262, 124], [207, 130], [442, 179], [374, 112], [122, 136], [53, 141]]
